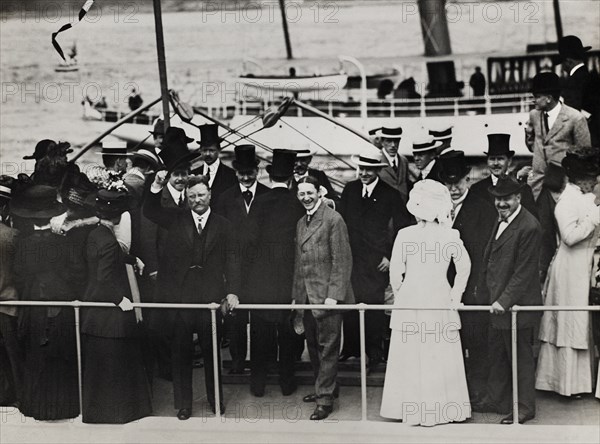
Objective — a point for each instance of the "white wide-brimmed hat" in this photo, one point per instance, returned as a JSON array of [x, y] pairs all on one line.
[[371, 159], [429, 200]]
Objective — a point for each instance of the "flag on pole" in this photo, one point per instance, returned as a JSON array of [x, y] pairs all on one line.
[[83, 11]]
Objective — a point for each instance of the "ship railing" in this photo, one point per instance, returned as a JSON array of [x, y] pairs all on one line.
[[362, 308]]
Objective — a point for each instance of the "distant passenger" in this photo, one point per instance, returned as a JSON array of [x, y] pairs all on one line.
[[477, 82]]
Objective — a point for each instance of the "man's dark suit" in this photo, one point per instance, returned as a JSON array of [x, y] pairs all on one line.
[[270, 260], [224, 179], [581, 91], [232, 207], [474, 222], [194, 268], [323, 181], [511, 277], [527, 200], [372, 226]]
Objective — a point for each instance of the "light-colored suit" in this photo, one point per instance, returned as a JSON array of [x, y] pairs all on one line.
[[568, 133], [323, 265]]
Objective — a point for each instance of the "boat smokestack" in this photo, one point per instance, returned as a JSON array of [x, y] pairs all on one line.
[[434, 27]]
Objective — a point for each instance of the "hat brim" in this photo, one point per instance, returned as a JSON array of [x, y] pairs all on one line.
[[29, 157], [56, 209], [436, 145], [356, 161], [509, 153], [269, 168], [244, 166], [492, 190], [387, 136], [181, 161], [454, 178], [152, 160]]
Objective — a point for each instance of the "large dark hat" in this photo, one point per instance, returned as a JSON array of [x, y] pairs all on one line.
[[453, 166], [545, 83], [111, 204], [41, 149], [76, 188], [159, 128], [36, 202], [499, 145], [389, 133], [580, 166], [282, 166], [175, 151], [245, 158], [209, 135], [570, 46], [506, 186]]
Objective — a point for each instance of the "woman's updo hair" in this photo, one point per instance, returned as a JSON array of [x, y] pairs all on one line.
[[311, 180]]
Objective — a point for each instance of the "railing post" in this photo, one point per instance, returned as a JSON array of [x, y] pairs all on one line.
[[363, 364], [216, 363], [515, 375], [79, 360]]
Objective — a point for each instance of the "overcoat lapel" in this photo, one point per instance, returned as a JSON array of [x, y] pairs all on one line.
[[314, 225], [560, 119]]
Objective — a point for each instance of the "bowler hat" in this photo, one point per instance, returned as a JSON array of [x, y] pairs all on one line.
[[245, 158], [174, 134], [545, 83], [506, 186], [209, 136], [580, 166], [570, 46], [36, 202], [389, 133], [159, 128], [282, 166], [111, 204], [453, 166], [498, 145], [175, 152]]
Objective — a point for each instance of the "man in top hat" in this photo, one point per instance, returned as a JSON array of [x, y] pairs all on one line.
[[115, 156], [373, 212], [235, 205], [220, 176], [301, 169], [11, 353], [442, 134], [395, 173], [555, 128], [474, 218], [510, 276], [499, 157], [198, 265], [270, 268], [581, 91], [158, 134], [425, 151]]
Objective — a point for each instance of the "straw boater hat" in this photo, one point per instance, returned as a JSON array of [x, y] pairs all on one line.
[[36, 202], [245, 158], [499, 145], [114, 148], [429, 200], [148, 156], [389, 133], [209, 136], [282, 166], [371, 159], [443, 132], [425, 143], [302, 151]]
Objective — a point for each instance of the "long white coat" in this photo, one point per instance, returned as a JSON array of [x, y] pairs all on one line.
[[418, 275], [569, 274]]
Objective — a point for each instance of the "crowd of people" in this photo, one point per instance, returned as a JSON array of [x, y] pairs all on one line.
[[173, 225]]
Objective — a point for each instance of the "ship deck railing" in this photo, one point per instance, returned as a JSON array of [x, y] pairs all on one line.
[[361, 308]]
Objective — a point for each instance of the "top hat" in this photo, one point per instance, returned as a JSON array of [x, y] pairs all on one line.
[[580, 166], [209, 135], [41, 149], [505, 186], [175, 151], [114, 148], [148, 156], [498, 145], [159, 128], [245, 158], [37, 202], [371, 159], [570, 46], [110, 204], [389, 133], [425, 143], [282, 165], [453, 166], [442, 133], [545, 83]]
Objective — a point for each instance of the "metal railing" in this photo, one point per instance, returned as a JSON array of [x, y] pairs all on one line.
[[213, 307]]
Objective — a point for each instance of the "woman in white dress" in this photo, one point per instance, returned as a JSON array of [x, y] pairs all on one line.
[[425, 381], [565, 361]]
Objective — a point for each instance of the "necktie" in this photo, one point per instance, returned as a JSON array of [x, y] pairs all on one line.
[[181, 202], [421, 176], [395, 166], [199, 228], [546, 127], [247, 195], [366, 195], [308, 218], [207, 173]]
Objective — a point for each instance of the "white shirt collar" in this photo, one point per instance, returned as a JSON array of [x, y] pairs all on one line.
[[315, 208], [494, 179], [201, 218], [41, 228], [369, 188], [252, 188], [553, 114], [389, 158], [575, 68], [176, 195], [461, 199], [213, 168], [425, 171], [512, 216], [297, 177]]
